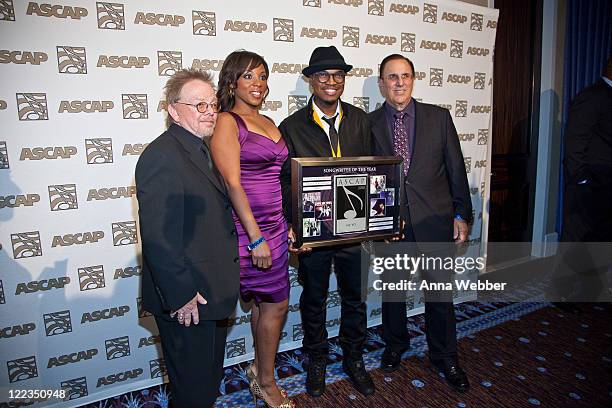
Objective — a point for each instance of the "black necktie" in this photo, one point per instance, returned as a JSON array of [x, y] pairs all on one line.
[[206, 151], [333, 134]]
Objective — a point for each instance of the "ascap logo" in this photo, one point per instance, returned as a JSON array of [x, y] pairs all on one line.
[[296, 102], [122, 61], [293, 278], [78, 238], [2, 297], [57, 323], [85, 106], [454, 18], [482, 189], [14, 201], [235, 348], [380, 39], [433, 45], [18, 330], [479, 80], [124, 233], [91, 277], [461, 108], [118, 347], [491, 24], [483, 136], [2, 104], [22, 57], [149, 341], [293, 308], [32, 106], [298, 332], [403, 8], [169, 62], [271, 106], [456, 49], [99, 151], [204, 23], [4, 159], [376, 312], [119, 377], [164, 20], [480, 164], [376, 7], [458, 79], [75, 357], [430, 13], [467, 161], [408, 42], [104, 314], [481, 52], [135, 106], [41, 285], [352, 3], [22, 369], [473, 190], [110, 16], [333, 299], [282, 29], [481, 109], [286, 68], [320, 33], [436, 76], [330, 324], [157, 368], [311, 3], [350, 36], [476, 22], [49, 152], [7, 10], [133, 149], [141, 312], [56, 10], [127, 272], [245, 26], [240, 320], [63, 197], [26, 244], [111, 192], [466, 137], [71, 60], [360, 72], [420, 75], [362, 102], [75, 388], [445, 106], [208, 65]]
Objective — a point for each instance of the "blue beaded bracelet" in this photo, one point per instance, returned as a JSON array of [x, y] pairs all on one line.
[[255, 243]]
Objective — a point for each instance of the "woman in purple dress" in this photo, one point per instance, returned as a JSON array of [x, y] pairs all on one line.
[[249, 151]]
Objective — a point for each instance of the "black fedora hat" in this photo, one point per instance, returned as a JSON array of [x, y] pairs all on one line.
[[323, 58]]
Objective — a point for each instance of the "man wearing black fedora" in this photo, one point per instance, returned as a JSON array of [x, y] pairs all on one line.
[[328, 127]]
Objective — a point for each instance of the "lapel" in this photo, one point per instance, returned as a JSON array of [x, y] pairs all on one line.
[[380, 130], [420, 138], [198, 158]]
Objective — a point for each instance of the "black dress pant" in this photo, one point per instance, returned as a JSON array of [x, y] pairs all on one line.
[[440, 325], [314, 272], [194, 359]]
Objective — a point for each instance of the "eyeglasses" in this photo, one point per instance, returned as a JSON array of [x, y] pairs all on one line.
[[324, 76], [395, 77], [202, 107]]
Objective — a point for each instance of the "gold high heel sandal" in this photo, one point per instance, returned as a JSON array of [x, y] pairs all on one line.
[[257, 393], [251, 377]]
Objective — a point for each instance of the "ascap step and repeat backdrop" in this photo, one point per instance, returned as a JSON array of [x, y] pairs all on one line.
[[81, 97]]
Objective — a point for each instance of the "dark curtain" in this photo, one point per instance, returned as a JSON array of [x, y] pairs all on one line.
[[588, 45]]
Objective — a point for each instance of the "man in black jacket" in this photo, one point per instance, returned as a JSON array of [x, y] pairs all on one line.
[[436, 208], [190, 251], [328, 127]]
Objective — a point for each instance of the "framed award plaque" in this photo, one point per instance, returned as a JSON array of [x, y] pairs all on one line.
[[345, 200]]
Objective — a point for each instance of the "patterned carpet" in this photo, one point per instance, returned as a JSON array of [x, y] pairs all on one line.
[[516, 355]]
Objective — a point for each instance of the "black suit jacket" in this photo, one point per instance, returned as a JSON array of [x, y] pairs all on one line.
[[189, 243], [588, 138], [436, 187]]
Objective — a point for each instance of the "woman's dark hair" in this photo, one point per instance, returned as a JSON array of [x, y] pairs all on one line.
[[236, 64]]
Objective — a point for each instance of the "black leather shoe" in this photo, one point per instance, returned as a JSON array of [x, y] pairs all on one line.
[[391, 360], [454, 375], [315, 376], [359, 376]]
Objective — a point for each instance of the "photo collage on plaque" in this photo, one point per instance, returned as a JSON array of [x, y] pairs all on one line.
[[311, 205], [382, 200]]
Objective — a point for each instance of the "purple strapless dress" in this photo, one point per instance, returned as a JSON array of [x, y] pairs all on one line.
[[260, 163]]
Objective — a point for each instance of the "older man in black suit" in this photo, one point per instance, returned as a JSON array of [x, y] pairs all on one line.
[[436, 207], [190, 251]]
